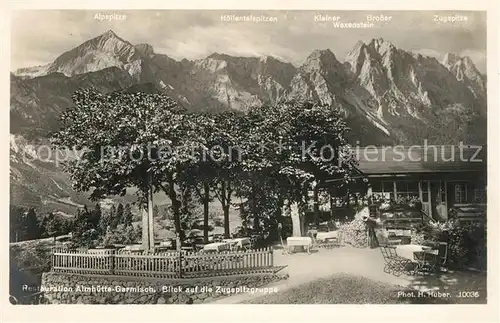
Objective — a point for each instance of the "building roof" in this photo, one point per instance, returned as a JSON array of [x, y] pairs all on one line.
[[420, 159]]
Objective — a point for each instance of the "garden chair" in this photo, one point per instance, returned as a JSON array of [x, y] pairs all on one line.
[[284, 247], [428, 262], [442, 256], [394, 264], [424, 262], [331, 243], [388, 259], [392, 239]]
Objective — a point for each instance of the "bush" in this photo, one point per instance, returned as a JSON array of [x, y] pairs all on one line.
[[36, 257], [120, 235], [354, 233], [466, 242], [467, 245], [417, 238]]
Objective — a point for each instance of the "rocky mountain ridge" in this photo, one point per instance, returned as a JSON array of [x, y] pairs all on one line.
[[389, 88], [388, 95]]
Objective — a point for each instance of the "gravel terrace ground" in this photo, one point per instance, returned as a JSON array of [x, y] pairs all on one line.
[[349, 275]]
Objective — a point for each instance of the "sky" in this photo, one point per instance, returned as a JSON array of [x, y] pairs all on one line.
[[38, 37]]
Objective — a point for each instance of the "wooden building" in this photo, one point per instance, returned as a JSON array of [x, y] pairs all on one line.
[[443, 178]]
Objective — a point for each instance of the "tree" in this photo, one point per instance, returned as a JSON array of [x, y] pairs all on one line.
[[121, 235], [217, 220], [164, 213], [290, 147], [127, 215], [217, 168], [156, 211], [95, 216], [119, 215], [229, 136], [15, 223], [198, 181], [185, 152], [105, 223], [67, 226], [85, 230], [113, 219], [30, 225], [188, 207], [259, 168], [119, 137], [198, 176], [52, 225]]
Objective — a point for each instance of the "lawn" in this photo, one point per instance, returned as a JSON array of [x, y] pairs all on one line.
[[347, 289]]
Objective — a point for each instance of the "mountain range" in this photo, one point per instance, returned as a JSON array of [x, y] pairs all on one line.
[[388, 95]]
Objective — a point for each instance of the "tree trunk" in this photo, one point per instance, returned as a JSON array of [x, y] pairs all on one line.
[[330, 194], [150, 213], [316, 206], [185, 196], [279, 218], [145, 228], [227, 233], [294, 209], [176, 206], [206, 200], [253, 210], [226, 202]]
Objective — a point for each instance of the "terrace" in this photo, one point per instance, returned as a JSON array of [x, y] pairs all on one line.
[[348, 275], [352, 275]]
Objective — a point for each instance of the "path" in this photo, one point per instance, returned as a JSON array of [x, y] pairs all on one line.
[[303, 268]]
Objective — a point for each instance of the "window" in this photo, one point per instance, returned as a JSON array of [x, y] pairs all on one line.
[[479, 195], [407, 189], [425, 191], [460, 193], [442, 194], [384, 189]]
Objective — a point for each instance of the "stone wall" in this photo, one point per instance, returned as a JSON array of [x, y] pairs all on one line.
[[64, 288]]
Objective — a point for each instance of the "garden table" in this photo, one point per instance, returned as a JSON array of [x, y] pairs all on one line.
[[241, 243], [312, 233], [400, 232], [407, 251], [327, 235], [133, 247], [217, 246], [305, 242]]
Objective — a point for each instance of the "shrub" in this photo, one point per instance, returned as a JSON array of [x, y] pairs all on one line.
[[466, 242], [467, 245], [86, 239], [354, 233], [121, 235], [34, 258], [417, 238]]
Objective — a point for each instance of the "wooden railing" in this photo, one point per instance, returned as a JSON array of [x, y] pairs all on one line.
[[196, 264], [162, 264]]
